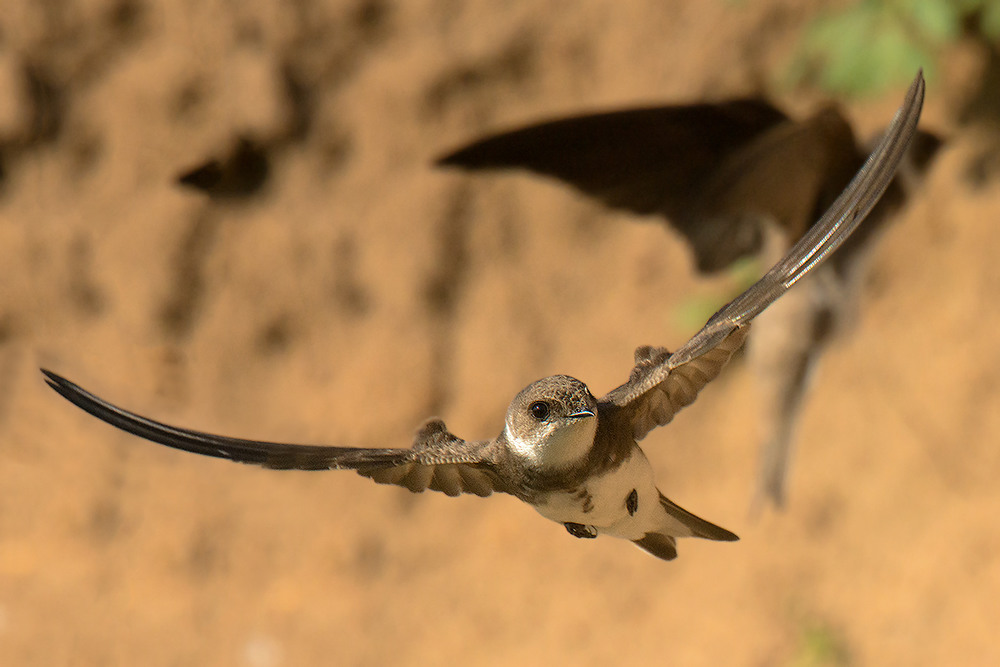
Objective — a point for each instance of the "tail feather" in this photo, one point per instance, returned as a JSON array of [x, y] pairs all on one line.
[[659, 545], [698, 526]]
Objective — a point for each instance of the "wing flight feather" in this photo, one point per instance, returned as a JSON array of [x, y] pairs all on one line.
[[438, 460]]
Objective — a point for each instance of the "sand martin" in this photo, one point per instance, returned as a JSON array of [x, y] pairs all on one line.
[[735, 179], [571, 456]]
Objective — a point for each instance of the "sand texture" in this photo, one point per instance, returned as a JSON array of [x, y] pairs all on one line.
[[347, 290]]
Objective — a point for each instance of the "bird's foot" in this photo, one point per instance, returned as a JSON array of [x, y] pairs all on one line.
[[580, 530]]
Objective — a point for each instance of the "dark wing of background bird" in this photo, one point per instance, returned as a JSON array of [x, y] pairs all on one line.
[[714, 171], [669, 160], [658, 388], [437, 460]]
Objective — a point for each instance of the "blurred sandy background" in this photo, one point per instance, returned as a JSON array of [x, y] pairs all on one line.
[[360, 291]]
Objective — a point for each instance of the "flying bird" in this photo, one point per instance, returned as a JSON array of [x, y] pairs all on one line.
[[735, 179], [573, 457]]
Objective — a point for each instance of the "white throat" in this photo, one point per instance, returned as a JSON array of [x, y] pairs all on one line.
[[557, 447]]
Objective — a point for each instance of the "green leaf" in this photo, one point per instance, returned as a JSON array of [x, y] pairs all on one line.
[[875, 44], [938, 20], [989, 21]]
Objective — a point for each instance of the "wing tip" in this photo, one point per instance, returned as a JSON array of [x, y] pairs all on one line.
[[52, 379], [62, 386], [480, 154], [451, 159]]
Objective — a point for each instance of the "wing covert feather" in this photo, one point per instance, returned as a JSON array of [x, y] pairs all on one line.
[[648, 400]]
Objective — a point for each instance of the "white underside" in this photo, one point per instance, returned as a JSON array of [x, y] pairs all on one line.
[[608, 513]]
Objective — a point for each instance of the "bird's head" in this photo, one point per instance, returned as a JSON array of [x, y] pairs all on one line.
[[552, 422]]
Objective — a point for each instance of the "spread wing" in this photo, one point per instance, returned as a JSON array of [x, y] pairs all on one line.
[[712, 170], [656, 160], [662, 383], [437, 460]]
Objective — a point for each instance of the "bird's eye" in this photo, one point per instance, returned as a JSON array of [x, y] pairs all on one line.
[[539, 410]]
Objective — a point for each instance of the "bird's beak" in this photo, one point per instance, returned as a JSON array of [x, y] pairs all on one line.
[[581, 414]]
